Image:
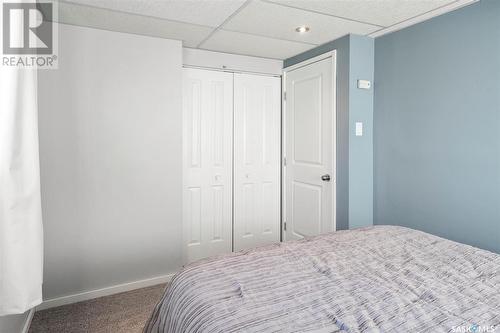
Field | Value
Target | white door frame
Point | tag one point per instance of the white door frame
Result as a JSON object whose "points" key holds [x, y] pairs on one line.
{"points": [[333, 56]]}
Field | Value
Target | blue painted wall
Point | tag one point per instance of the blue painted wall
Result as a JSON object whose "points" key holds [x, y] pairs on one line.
{"points": [[437, 126], [354, 173], [361, 66]]}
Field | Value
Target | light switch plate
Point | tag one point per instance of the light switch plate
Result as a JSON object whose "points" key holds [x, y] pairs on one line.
{"points": [[364, 84], [359, 129]]}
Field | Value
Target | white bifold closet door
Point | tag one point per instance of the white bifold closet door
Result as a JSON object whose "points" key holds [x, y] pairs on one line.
{"points": [[208, 159], [257, 133]]}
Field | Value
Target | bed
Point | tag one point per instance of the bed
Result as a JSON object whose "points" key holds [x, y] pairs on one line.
{"points": [[377, 279]]}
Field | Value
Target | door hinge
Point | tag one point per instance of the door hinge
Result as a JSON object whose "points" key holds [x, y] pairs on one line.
{"points": [[284, 226], [284, 161], [284, 95]]}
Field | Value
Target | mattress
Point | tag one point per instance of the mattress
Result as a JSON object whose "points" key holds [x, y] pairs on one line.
{"points": [[377, 279]]}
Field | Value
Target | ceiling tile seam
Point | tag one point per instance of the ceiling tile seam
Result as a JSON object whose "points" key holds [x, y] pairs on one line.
{"points": [[275, 38], [414, 17], [246, 3], [117, 30], [127, 31], [322, 13], [134, 14]]}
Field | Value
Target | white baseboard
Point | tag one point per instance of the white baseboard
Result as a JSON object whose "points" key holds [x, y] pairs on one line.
{"points": [[27, 323], [51, 303]]}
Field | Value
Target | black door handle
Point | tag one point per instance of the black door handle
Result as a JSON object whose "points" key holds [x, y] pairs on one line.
{"points": [[325, 178]]}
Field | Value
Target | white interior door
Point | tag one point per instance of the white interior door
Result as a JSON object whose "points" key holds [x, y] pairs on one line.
{"points": [[207, 150], [310, 149], [257, 118]]}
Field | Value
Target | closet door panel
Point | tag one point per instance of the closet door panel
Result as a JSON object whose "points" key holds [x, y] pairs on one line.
{"points": [[257, 132], [208, 145]]}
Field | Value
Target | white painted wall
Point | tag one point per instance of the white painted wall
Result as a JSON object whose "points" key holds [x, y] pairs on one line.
{"points": [[111, 160]]}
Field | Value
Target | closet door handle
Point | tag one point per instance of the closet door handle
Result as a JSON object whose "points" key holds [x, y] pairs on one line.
{"points": [[325, 178]]}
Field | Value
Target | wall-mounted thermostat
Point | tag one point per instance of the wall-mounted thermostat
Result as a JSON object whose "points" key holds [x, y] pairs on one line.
{"points": [[364, 84]]}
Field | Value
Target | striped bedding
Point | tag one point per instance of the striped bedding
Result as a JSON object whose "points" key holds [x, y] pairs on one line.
{"points": [[377, 279]]}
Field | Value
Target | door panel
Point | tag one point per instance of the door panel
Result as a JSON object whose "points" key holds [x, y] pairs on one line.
{"points": [[194, 215], [218, 213], [309, 150], [306, 209], [248, 210], [257, 114], [307, 120], [207, 145]]}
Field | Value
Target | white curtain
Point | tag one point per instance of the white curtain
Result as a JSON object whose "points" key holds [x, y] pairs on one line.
{"points": [[21, 239]]}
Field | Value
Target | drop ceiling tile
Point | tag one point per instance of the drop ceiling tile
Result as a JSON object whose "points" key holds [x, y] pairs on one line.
{"points": [[271, 20], [379, 12], [93, 17], [204, 12], [240, 43]]}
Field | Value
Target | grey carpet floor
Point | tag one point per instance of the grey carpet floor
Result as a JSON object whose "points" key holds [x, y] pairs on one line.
{"points": [[125, 313]]}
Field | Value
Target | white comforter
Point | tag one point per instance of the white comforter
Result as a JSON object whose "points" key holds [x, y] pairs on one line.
{"points": [[378, 279]]}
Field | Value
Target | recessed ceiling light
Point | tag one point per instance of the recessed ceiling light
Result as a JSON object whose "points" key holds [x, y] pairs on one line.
{"points": [[302, 29]]}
